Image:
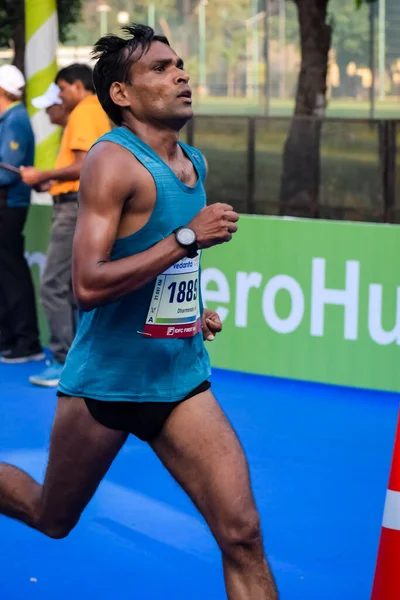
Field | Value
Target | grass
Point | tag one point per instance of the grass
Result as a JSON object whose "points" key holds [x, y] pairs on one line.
{"points": [[342, 108], [350, 172]]}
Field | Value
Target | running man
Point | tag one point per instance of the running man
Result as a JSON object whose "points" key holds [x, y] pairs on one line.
{"points": [[138, 363]]}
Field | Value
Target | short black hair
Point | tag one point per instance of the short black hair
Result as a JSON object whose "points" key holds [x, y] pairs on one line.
{"points": [[77, 72], [114, 59]]}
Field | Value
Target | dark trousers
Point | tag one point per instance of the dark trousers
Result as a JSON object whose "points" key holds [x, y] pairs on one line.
{"points": [[18, 320]]}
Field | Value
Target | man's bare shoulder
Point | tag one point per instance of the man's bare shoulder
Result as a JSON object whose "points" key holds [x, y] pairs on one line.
{"points": [[110, 162], [110, 171], [110, 153]]}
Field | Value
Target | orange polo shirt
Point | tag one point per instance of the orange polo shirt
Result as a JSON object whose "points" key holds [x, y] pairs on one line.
{"points": [[86, 123]]}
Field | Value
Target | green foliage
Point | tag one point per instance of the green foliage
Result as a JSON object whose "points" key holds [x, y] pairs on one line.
{"points": [[69, 12], [87, 29], [350, 29], [226, 37], [11, 14], [359, 3]]}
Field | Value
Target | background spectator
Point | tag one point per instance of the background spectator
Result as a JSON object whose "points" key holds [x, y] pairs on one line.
{"points": [[19, 341], [86, 123]]}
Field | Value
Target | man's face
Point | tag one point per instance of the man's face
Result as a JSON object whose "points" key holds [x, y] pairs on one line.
{"points": [[70, 93], [160, 87], [58, 114]]}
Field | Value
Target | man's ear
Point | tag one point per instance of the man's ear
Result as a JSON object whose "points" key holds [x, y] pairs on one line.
{"points": [[118, 94], [79, 85]]}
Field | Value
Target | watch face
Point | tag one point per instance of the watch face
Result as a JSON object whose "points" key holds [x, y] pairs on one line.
{"points": [[186, 236]]}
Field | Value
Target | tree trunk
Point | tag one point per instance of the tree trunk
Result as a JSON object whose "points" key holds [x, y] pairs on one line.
{"points": [[301, 158], [186, 27], [19, 36]]}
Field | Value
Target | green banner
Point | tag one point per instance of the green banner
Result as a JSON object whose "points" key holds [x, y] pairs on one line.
{"points": [[37, 233], [311, 300]]}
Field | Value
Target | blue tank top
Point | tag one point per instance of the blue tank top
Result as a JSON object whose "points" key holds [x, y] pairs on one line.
{"points": [[109, 359]]}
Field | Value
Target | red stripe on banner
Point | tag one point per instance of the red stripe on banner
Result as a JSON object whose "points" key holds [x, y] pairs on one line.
{"points": [[387, 575], [173, 331]]}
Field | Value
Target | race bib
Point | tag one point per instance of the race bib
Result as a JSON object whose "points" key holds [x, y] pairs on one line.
{"points": [[175, 308]]}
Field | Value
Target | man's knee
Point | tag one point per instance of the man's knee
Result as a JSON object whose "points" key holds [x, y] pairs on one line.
{"points": [[54, 293], [241, 532], [46, 290], [56, 528]]}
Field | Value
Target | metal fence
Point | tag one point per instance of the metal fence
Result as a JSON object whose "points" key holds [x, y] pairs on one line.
{"points": [[359, 166]]}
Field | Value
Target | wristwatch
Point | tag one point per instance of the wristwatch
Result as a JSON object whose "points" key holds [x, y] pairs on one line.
{"points": [[187, 238]]}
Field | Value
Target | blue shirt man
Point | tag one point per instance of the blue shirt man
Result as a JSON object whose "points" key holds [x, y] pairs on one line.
{"points": [[19, 336], [17, 148]]}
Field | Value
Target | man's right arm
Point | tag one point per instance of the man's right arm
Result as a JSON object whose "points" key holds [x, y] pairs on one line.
{"points": [[104, 188], [12, 151]]}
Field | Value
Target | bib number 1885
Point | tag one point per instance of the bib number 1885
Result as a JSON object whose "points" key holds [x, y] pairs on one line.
{"points": [[186, 291]]}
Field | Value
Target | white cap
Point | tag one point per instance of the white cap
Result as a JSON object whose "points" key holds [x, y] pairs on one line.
{"points": [[11, 80], [49, 98]]}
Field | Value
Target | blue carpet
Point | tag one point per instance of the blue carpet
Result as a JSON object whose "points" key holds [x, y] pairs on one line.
{"points": [[319, 458]]}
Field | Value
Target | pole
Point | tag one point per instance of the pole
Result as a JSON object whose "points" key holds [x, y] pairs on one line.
{"points": [[382, 47], [103, 9], [202, 48], [267, 80], [103, 23], [249, 70], [372, 58], [151, 15], [282, 48], [254, 50], [41, 36]]}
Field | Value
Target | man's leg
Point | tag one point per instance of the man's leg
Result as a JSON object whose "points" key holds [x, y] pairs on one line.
{"points": [[56, 283], [81, 452], [7, 335], [202, 452], [17, 282]]}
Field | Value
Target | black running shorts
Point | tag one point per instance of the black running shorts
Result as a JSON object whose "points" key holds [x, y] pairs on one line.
{"points": [[145, 420]]}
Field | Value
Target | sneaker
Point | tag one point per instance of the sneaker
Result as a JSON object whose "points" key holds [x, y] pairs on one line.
{"points": [[50, 376], [5, 348], [16, 356]]}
